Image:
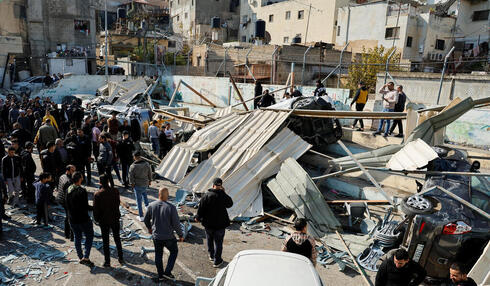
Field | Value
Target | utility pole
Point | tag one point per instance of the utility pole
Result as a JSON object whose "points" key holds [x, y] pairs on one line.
{"points": [[308, 23], [105, 48]]}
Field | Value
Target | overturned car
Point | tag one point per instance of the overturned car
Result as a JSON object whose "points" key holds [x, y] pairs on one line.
{"points": [[441, 229]]}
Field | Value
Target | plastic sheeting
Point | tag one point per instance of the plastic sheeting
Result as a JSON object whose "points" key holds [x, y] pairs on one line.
{"points": [[244, 184], [414, 155], [238, 148], [175, 164], [295, 190]]}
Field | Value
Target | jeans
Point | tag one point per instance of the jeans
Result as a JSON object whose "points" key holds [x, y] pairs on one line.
{"points": [[140, 193], [13, 188], [215, 243], [155, 145], [359, 107], [388, 122], [106, 229], [88, 230], [125, 172], [171, 245]]}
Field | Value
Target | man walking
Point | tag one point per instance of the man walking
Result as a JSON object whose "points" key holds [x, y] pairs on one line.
{"points": [[399, 107], [11, 169], [125, 149], [213, 215], [154, 133], [64, 183], [140, 180], [28, 171], [162, 220], [104, 161], [83, 153], [400, 270], [78, 208], [360, 100], [47, 133], [390, 97]]}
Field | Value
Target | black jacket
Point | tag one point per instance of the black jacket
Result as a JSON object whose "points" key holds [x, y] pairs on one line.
{"points": [[125, 150], [22, 136], [77, 205], [410, 275], [106, 206], [468, 282], [267, 100], [7, 166], [82, 148], [400, 104], [51, 162], [212, 209], [28, 164]]}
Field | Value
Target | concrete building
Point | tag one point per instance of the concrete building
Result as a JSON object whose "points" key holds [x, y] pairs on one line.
{"points": [[192, 18], [13, 38], [61, 29], [288, 19], [472, 26]]}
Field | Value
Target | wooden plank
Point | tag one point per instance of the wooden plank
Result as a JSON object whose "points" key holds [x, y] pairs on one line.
{"points": [[363, 274], [237, 91], [198, 94]]}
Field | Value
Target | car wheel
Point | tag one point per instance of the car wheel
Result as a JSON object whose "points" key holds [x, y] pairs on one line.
{"points": [[416, 204]]}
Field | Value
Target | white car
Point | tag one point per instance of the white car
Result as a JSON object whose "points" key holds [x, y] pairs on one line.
{"points": [[266, 268], [29, 84]]}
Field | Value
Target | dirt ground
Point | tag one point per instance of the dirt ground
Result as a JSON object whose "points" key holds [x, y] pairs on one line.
{"points": [[30, 245]]}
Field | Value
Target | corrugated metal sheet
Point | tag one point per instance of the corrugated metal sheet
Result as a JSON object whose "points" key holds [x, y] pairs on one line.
{"points": [[240, 146], [176, 162], [120, 88], [243, 185], [414, 155], [295, 190]]}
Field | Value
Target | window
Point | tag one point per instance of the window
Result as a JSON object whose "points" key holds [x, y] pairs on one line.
{"points": [[178, 18], [301, 14], [82, 26], [285, 40], [271, 18], [338, 30], [19, 11], [185, 15], [171, 44], [288, 15], [409, 41], [244, 19], [440, 44], [244, 39], [480, 193], [392, 33], [480, 15]]}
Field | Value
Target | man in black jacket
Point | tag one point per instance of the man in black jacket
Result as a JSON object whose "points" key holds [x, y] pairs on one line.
{"points": [[50, 160], [81, 154], [399, 270], [399, 107], [11, 169], [125, 149], [213, 215], [80, 222], [458, 273], [267, 100], [28, 171]]}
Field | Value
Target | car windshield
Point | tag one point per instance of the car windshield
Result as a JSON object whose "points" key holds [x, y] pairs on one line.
{"points": [[480, 192]]}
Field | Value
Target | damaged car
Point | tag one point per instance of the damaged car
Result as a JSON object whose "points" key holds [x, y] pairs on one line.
{"points": [[442, 230]]}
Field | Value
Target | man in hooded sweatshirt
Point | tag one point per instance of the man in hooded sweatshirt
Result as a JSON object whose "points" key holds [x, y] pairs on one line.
{"points": [[213, 215], [360, 100]]}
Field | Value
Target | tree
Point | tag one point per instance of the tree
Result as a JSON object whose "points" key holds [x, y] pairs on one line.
{"points": [[369, 64]]}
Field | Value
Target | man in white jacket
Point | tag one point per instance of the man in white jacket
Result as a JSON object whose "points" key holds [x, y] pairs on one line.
{"points": [[390, 97]]}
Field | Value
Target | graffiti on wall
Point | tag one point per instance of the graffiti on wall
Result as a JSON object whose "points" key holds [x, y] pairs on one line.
{"points": [[471, 129]]}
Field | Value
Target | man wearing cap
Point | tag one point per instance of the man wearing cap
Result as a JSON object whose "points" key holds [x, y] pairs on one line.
{"points": [[28, 171], [213, 215], [125, 149], [140, 180]]}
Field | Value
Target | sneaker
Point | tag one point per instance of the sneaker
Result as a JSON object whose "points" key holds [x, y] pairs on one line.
{"points": [[121, 261], [141, 218], [158, 279], [376, 133], [218, 265], [86, 261], [385, 135], [210, 258], [169, 276], [399, 135], [360, 129]]}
